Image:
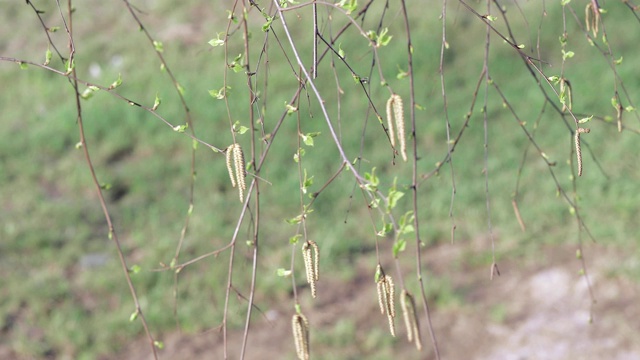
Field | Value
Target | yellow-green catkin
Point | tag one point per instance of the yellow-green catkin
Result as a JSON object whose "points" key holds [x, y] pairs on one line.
{"points": [[395, 118], [410, 315], [578, 147], [300, 327], [386, 295], [311, 257], [236, 168]]}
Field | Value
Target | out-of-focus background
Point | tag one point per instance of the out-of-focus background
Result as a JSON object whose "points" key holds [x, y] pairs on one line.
{"points": [[62, 290]]}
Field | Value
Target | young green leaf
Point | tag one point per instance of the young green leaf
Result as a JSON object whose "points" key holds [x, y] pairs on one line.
{"points": [[180, 128], [585, 120], [266, 26], [283, 272], [88, 92], [378, 275], [307, 182], [156, 103], [47, 57], [401, 73], [567, 55], [70, 65], [372, 179], [383, 39], [399, 246], [220, 94], [349, 5], [386, 229], [217, 41], [158, 46], [236, 64], [295, 220], [294, 239], [116, 83], [290, 108], [299, 154], [393, 198], [133, 316]]}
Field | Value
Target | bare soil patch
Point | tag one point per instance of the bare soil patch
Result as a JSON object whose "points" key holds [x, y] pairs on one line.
{"points": [[539, 308]]}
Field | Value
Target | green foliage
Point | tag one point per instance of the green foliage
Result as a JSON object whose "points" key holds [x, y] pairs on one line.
{"points": [[349, 5]]}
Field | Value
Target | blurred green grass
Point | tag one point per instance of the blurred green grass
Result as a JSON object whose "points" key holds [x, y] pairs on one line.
{"points": [[52, 224]]}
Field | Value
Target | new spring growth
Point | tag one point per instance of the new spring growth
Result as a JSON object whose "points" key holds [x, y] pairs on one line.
{"points": [[300, 327], [578, 149], [236, 168], [565, 95], [395, 114], [311, 257], [592, 17], [386, 294], [410, 315]]}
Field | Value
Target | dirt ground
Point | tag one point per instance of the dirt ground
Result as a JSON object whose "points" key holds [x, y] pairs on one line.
{"points": [[539, 308]]}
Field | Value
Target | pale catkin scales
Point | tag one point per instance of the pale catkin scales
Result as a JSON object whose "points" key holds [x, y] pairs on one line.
{"points": [[410, 315], [391, 308], [241, 171], [578, 153], [300, 327], [311, 257], [236, 168], [391, 292], [381, 295], [386, 294], [395, 118], [398, 113], [406, 314], [392, 136], [380, 288], [591, 18], [579, 148], [229, 158]]}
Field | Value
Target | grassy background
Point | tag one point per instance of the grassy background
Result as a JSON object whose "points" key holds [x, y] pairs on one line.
{"points": [[62, 291]]}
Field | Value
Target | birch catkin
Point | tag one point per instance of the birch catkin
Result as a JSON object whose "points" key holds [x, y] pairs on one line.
{"points": [[392, 136], [300, 327], [565, 91], [592, 22], [386, 294], [578, 147], [381, 296], [391, 308], [311, 257], [395, 110], [380, 288], [241, 171], [237, 172], [391, 292], [398, 113], [410, 315], [229, 158]]}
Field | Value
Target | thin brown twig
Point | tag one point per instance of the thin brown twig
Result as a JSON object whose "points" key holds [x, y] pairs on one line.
{"points": [[85, 149], [414, 183]]}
